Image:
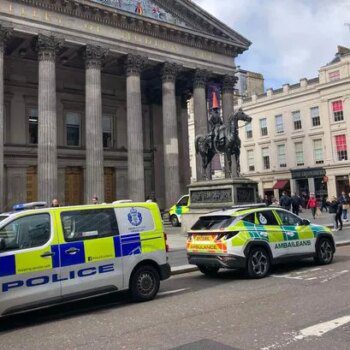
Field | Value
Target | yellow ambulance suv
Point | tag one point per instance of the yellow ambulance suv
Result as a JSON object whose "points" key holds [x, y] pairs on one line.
{"points": [[54, 255]]}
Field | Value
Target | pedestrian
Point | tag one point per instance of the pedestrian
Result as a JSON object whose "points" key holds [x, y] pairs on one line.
{"points": [[94, 199], [312, 204], [344, 201], [267, 200], [336, 213], [55, 203], [296, 204], [285, 201], [324, 204]]}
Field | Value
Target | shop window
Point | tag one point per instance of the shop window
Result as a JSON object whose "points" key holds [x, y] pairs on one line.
{"points": [[250, 157], [32, 117], [279, 124], [315, 116], [341, 146], [299, 153], [263, 127], [296, 120], [337, 108], [282, 156], [73, 129], [335, 75], [318, 151], [107, 127], [266, 158], [249, 131]]}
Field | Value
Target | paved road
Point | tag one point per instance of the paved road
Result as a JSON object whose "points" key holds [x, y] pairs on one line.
{"points": [[298, 307]]}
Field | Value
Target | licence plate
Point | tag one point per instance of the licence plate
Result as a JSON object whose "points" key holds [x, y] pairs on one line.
{"points": [[202, 238]]}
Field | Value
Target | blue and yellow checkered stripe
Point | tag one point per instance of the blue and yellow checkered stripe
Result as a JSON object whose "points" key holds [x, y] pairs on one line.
{"points": [[87, 251]]}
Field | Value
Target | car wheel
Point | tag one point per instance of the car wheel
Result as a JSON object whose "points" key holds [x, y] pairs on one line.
{"points": [[211, 271], [324, 252], [258, 264], [144, 283], [174, 221]]}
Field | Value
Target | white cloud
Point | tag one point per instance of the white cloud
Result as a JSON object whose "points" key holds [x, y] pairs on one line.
{"points": [[291, 39]]}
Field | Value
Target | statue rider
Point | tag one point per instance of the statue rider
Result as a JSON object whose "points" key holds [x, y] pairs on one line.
{"points": [[215, 122]]}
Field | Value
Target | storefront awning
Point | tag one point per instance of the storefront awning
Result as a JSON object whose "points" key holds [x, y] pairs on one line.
{"points": [[280, 184]]}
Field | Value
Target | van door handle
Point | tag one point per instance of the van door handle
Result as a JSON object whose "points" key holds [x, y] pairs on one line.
{"points": [[47, 254], [72, 251]]}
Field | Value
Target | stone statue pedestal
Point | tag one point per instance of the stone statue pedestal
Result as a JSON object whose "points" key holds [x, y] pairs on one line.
{"points": [[207, 196]]}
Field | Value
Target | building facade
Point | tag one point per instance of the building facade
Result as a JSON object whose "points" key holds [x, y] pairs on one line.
{"points": [[93, 96], [299, 137]]}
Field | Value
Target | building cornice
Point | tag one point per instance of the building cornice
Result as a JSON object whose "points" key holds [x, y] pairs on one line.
{"points": [[124, 20]]}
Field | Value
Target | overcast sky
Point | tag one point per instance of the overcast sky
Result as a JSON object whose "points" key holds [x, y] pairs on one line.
{"points": [[291, 39]]}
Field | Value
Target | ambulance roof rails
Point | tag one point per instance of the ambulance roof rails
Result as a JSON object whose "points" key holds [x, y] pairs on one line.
{"points": [[122, 201]]}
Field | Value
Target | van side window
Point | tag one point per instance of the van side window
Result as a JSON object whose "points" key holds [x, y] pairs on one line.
{"points": [[25, 232], [183, 201], [266, 217], [250, 218], [89, 224]]}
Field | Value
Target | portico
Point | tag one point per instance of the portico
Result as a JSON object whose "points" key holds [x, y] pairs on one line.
{"points": [[91, 102]]}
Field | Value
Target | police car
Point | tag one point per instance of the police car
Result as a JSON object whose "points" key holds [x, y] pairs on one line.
{"points": [[54, 255], [176, 211], [253, 238]]}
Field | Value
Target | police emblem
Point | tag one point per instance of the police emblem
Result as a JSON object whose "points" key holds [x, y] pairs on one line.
{"points": [[135, 217]]}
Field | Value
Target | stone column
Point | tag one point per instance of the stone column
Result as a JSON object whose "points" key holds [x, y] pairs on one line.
{"points": [[4, 35], [200, 114], [228, 84], [136, 173], [170, 137], [94, 173], [47, 118]]}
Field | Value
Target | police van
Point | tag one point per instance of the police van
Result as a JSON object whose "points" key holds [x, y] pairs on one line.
{"points": [[54, 255]]}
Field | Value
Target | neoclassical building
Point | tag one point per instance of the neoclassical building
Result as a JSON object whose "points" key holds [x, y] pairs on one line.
{"points": [[93, 96]]}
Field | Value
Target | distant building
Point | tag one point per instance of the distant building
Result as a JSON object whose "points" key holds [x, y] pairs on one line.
{"points": [[299, 137]]}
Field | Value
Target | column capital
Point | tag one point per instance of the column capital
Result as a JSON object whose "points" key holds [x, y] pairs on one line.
{"points": [[169, 71], [200, 78], [228, 83], [134, 64], [94, 55], [47, 47]]}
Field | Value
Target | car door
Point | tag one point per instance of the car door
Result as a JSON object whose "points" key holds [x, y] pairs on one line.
{"points": [[90, 252], [269, 229], [28, 263], [300, 238]]}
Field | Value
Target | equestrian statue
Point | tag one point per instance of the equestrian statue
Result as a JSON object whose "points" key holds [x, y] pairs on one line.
{"points": [[222, 139]]}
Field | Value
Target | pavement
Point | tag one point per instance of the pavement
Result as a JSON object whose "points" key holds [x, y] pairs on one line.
{"points": [[177, 240], [299, 306]]}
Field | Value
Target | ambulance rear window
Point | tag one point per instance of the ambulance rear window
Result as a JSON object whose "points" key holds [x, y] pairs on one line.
{"points": [[215, 222]]}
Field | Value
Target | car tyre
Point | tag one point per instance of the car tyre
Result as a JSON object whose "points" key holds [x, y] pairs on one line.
{"points": [[258, 263], [211, 271], [174, 221], [324, 252], [144, 283]]}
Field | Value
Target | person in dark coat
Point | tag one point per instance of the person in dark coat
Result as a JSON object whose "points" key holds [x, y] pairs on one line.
{"points": [[285, 201], [296, 204], [335, 208]]}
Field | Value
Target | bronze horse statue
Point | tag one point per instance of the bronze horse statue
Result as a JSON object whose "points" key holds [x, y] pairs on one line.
{"points": [[225, 141]]}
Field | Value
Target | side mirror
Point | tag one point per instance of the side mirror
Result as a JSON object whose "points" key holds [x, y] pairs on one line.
{"points": [[305, 222]]}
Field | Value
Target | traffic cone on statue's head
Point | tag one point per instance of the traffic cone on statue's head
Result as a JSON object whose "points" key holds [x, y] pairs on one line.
{"points": [[215, 101]]}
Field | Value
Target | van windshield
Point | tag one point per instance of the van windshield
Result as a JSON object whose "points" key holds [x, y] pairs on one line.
{"points": [[213, 222]]}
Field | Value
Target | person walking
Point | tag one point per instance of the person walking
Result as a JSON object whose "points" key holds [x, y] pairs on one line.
{"points": [[312, 204], [344, 201], [296, 204], [285, 201], [335, 211], [324, 204], [267, 200]]}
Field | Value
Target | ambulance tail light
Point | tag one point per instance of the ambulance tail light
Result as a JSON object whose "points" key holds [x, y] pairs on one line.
{"points": [[226, 235], [166, 242]]}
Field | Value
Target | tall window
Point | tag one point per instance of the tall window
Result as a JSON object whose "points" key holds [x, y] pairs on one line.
{"points": [[318, 151], [337, 107], [335, 75], [279, 124], [296, 120], [315, 116], [263, 127], [107, 125], [250, 157], [73, 129], [266, 158], [342, 149], [249, 130], [282, 156], [32, 115], [299, 153]]}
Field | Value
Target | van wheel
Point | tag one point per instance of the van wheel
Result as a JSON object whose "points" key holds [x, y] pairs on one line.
{"points": [[174, 221], [208, 270], [258, 264], [144, 283], [324, 252]]}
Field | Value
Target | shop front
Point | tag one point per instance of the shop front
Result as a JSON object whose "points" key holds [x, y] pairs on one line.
{"points": [[342, 184]]}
